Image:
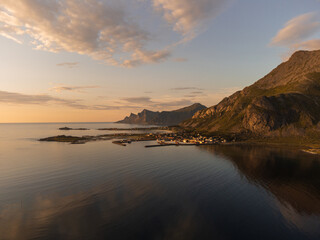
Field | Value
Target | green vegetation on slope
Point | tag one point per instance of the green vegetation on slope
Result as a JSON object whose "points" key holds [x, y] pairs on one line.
{"points": [[284, 104]]}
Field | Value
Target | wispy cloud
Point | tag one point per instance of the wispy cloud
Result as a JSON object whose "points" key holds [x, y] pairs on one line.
{"points": [[101, 30], [68, 64], [298, 32], [147, 102], [19, 98], [189, 16], [313, 44], [173, 103], [143, 100], [180, 59], [195, 95], [72, 88], [185, 88], [107, 31], [27, 99], [124, 103]]}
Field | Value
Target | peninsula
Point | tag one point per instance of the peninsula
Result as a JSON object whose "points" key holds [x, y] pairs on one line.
{"points": [[172, 136]]}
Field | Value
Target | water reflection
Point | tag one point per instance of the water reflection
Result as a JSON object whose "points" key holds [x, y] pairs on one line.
{"points": [[291, 176], [133, 210], [225, 192]]}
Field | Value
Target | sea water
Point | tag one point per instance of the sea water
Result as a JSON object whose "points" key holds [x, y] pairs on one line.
{"points": [[99, 190]]}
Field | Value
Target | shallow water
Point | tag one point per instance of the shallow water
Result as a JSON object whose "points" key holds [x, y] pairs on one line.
{"points": [[104, 191]]}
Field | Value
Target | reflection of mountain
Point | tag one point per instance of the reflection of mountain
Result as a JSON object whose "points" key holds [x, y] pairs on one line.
{"points": [[291, 176], [199, 198]]}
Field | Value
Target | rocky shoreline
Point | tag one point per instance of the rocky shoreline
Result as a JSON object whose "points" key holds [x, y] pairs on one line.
{"points": [[172, 136], [179, 137], [118, 129], [69, 129], [85, 139]]}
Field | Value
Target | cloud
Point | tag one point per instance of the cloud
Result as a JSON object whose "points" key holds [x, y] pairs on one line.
{"points": [[195, 95], [188, 16], [124, 103], [18, 98], [107, 31], [68, 64], [190, 96], [211, 97], [297, 33], [25, 99], [185, 88], [72, 88], [297, 29], [180, 59], [101, 30], [143, 100], [173, 103], [140, 57], [313, 44]]}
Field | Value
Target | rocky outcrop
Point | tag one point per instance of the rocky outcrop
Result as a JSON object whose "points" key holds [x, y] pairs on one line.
{"points": [[165, 118], [143, 117], [284, 102], [267, 114]]}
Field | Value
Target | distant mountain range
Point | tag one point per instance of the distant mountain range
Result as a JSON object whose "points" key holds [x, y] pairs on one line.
{"points": [[165, 118], [284, 103]]}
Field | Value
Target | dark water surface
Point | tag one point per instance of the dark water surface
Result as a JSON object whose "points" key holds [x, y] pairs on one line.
{"points": [[104, 191]]}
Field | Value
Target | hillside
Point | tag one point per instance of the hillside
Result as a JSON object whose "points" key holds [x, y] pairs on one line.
{"points": [[165, 118], [285, 103]]}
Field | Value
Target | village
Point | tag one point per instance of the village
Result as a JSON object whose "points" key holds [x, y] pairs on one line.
{"points": [[159, 138], [174, 139]]}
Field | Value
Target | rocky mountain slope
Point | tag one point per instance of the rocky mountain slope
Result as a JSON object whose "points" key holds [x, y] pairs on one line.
{"points": [[286, 102], [165, 118]]}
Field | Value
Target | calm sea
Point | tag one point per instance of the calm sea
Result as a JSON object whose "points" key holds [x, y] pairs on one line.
{"points": [[100, 190]]}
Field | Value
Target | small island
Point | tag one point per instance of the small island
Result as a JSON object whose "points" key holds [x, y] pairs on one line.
{"points": [[69, 129], [136, 129]]}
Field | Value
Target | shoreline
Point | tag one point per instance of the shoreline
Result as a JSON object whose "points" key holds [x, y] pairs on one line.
{"points": [[142, 138], [170, 136], [311, 148], [177, 138], [116, 129]]}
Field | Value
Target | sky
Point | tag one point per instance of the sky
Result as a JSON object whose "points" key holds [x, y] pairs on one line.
{"points": [[100, 60]]}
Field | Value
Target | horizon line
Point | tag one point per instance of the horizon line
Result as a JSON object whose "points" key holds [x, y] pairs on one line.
{"points": [[49, 122]]}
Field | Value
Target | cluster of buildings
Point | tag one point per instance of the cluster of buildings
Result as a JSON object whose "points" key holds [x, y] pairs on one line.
{"points": [[185, 138]]}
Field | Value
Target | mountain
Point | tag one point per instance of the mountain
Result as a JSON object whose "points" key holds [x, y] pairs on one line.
{"points": [[166, 118], [285, 103]]}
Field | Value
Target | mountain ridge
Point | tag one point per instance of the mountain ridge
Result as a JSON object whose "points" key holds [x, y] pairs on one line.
{"points": [[285, 102], [168, 118]]}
